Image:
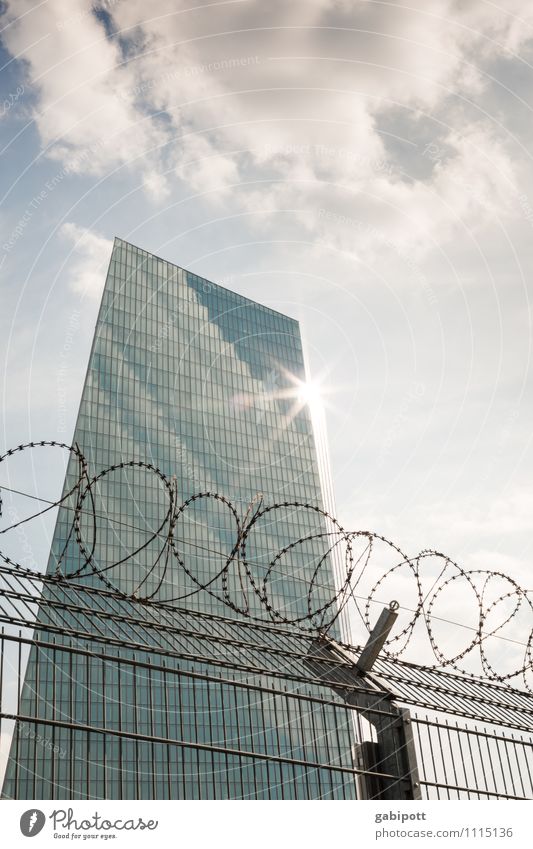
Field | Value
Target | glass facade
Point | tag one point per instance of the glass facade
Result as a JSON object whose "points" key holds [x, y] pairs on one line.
{"points": [[202, 383]]}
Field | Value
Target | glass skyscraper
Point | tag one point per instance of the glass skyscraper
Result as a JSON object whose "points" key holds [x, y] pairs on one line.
{"points": [[203, 384]]}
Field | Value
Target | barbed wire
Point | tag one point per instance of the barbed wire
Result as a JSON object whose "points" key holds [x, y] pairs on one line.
{"points": [[294, 575], [318, 609]]}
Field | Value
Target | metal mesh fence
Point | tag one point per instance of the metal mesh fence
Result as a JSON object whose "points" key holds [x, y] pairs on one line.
{"points": [[107, 698]]}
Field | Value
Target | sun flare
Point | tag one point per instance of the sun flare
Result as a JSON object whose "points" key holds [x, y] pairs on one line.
{"points": [[309, 393]]}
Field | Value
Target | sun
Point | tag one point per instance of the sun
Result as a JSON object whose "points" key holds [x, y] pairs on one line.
{"points": [[309, 393]]}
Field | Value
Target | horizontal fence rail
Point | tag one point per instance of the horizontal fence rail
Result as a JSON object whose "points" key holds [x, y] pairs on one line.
{"points": [[462, 762], [157, 714], [129, 700]]}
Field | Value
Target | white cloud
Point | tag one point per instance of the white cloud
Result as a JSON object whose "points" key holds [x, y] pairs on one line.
{"points": [[91, 253], [235, 91], [305, 113], [347, 115], [474, 184], [75, 70]]}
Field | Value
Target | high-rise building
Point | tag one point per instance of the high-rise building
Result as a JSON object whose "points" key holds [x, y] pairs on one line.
{"points": [[204, 385]]}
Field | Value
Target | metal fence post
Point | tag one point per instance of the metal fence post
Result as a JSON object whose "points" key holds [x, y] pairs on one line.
{"points": [[394, 752]]}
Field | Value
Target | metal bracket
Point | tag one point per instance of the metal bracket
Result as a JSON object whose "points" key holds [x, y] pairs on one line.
{"points": [[377, 638], [394, 752]]}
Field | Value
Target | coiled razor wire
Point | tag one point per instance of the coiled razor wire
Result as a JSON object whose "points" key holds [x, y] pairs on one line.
{"points": [[318, 616]]}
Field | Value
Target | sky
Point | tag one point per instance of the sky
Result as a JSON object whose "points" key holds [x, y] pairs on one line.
{"points": [[362, 166]]}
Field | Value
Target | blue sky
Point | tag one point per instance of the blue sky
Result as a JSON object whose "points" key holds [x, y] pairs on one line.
{"points": [[362, 166]]}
